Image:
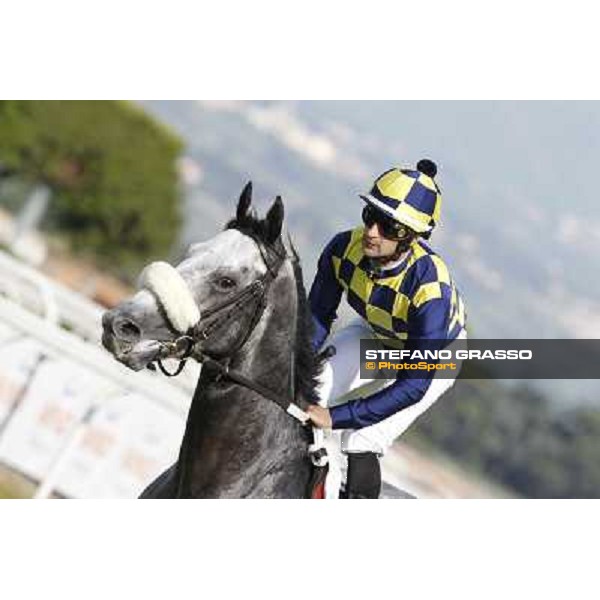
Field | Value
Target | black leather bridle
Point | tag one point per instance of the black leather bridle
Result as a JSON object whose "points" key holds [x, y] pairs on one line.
{"points": [[190, 343]]}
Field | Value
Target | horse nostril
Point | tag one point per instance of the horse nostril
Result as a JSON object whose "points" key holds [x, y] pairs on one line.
{"points": [[126, 330]]}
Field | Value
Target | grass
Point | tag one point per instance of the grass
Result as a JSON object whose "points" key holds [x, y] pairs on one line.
{"points": [[14, 485]]}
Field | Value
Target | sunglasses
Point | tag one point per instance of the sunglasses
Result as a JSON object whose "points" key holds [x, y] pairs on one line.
{"points": [[389, 228]]}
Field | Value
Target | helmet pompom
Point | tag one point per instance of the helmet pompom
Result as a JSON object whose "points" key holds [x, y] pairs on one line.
{"points": [[427, 167]]}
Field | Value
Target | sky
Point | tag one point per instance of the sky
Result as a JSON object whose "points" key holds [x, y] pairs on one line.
{"points": [[520, 222]]}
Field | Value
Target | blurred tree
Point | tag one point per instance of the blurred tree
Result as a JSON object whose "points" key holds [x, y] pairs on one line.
{"points": [[111, 169]]}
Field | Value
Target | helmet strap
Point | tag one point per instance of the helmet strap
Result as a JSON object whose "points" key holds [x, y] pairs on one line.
{"points": [[402, 246]]}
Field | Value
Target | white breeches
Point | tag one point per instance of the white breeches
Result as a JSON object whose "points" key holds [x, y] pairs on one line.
{"points": [[340, 382]]}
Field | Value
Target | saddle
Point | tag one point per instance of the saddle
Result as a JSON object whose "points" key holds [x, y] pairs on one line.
{"points": [[316, 487]]}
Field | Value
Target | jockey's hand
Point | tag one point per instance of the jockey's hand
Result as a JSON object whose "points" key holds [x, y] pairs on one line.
{"points": [[319, 416]]}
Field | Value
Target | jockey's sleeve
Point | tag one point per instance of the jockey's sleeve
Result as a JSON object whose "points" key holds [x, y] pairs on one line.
{"points": [[427, 329], [325, 293]]}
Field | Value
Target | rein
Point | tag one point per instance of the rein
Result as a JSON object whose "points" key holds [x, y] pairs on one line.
{"points": [[224, 371]]}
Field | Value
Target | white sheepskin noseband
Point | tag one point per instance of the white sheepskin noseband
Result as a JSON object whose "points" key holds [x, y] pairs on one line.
{"points": [[173, 293]]}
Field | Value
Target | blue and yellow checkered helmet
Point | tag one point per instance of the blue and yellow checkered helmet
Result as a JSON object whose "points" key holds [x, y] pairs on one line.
{"points": [[411, 197]]}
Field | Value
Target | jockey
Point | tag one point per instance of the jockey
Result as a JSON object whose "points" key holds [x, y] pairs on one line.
{"points": [[402, 290]]}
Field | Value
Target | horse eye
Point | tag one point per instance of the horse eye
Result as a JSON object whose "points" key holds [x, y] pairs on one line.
{"points": [[226, 283]]}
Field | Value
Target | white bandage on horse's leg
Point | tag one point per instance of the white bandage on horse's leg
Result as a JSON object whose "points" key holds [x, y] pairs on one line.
{"points": [[173, 293]]}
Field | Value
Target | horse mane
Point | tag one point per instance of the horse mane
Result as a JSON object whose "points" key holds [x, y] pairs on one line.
{"points": [[308, 364], [250, 225]]}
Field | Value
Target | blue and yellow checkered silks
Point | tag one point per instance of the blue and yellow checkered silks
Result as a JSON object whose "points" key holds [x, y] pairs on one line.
{"points": [[387, 300], [410, 197]]}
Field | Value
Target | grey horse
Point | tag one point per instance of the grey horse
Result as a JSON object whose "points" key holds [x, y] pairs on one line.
{"points": [[237, 303]]}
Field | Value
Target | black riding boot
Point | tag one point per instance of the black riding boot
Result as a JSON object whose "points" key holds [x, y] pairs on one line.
{"points": [[364, 475]]}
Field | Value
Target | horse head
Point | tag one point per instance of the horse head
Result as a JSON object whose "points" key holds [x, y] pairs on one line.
{"points": [[210, 302]]}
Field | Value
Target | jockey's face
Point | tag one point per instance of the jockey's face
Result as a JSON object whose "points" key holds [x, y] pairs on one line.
{"points": [[375, 244], [384, 236]]}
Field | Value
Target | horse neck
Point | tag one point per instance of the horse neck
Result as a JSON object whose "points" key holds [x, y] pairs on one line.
{"points": [[269, 357], [237, 443]]}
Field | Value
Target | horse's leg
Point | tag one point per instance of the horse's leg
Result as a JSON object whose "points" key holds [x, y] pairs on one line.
{"points": [[164, 486]]}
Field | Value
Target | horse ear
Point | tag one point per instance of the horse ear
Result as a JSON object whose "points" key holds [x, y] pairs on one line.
{"points": [[244, 202], [274, 220]]}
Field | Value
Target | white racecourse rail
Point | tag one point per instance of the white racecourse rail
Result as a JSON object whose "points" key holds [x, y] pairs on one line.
{"points": [[71, 417], [59, 305]]}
